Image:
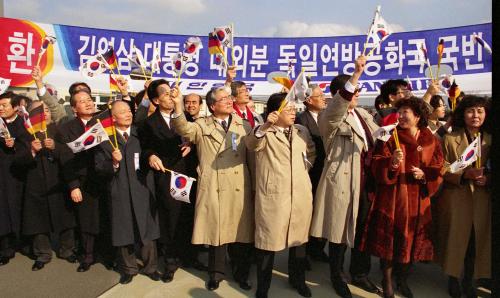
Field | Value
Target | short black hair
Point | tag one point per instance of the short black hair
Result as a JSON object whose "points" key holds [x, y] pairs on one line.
{"points": [[419, 108], [274, 102], [200, 99], [72, 97], [27, 99], [152, 92], [15, 99], [72, 88], [378, 101], [338, 83], [390, 87], [8, 94], [470, 101], [234, 87], [436, 100]]}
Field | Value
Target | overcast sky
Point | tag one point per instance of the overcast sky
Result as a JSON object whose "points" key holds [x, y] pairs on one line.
{"points": [[279, 18]]}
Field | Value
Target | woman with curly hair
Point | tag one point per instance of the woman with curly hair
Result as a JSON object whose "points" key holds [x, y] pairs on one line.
{"points": [[407, 169], [463, 244]]}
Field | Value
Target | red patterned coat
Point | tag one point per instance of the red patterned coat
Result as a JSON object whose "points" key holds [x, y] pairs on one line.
{"points": [[399, 223]]}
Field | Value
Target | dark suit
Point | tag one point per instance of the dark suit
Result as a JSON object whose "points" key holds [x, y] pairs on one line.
{"points": [[47, 207], [12, 177], [132, 206], [315, 245], [79, 172], [157, 138]]}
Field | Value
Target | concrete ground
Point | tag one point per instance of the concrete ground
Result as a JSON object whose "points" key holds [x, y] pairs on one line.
{"points": [[426, 281]]}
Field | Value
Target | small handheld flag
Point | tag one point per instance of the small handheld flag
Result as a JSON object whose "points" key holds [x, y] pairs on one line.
{"points": [[479, 40], [93, 67], [180, 186], [89, 139], [4, 130], [4, 85], [384, 133], [48, 40], [378, 32], [467, 157]]}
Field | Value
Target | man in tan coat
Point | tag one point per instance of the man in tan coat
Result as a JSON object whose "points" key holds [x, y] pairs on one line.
{"points": [[346, 131], [224, 212], [283, 199]]}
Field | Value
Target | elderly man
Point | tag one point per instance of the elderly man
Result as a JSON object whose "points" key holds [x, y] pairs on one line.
{"points": [[14, 145], [341, 198], [192, 105], [315, 103], [130, 185], [224, 212]]}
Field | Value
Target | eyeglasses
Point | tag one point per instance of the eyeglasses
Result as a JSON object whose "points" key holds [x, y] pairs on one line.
{"points": [[224, 98], [320, 96], [290, 110]]}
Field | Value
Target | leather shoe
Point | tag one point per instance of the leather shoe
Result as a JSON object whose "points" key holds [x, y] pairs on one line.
{"points": [[155, 276], [260, 294], [37, 266], [341, 288], [4, 260], [365, 284], [245, 285], [83, 267], [72, 259], [167, 276], [126, 278], [303, 290], [212, 285], [403, 288]]}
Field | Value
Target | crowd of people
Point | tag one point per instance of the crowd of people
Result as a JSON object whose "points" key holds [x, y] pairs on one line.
{"points": [[265, 183]]}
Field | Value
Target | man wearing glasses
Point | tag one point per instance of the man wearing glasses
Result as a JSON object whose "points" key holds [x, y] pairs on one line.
{"points": [[315, 103], [224, 213]]}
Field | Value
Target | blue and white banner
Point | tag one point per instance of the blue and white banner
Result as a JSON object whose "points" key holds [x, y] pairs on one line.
{"points": [[321, 58]]}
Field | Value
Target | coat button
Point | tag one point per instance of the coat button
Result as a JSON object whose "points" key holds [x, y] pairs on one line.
{"points": [[236, 155], [237, 189], [236, 172]]}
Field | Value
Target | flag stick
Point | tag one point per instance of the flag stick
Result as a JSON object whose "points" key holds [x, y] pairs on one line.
{"points": [[478, 160], [114, 128], [396, 138], [178, 79], [111, 143], [430, 69], [232, 45], [439, 66], [372, 50], [39, 59], [45, 128]]}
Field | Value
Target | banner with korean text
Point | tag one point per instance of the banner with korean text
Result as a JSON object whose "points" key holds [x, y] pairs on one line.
{"points": [[320, 57]]}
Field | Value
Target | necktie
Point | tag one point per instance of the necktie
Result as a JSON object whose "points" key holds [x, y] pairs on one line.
{"points": [[224, 125], [288, 133], [244, 115], [125, 136]]}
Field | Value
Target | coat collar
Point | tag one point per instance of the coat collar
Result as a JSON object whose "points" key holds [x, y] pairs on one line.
{"points": [[355, 127], [219, 135]]}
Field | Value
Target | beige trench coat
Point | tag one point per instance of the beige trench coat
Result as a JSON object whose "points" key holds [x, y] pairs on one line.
{"points": [[224, 211], [459, 208], [283, 198], [337, 197]]}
